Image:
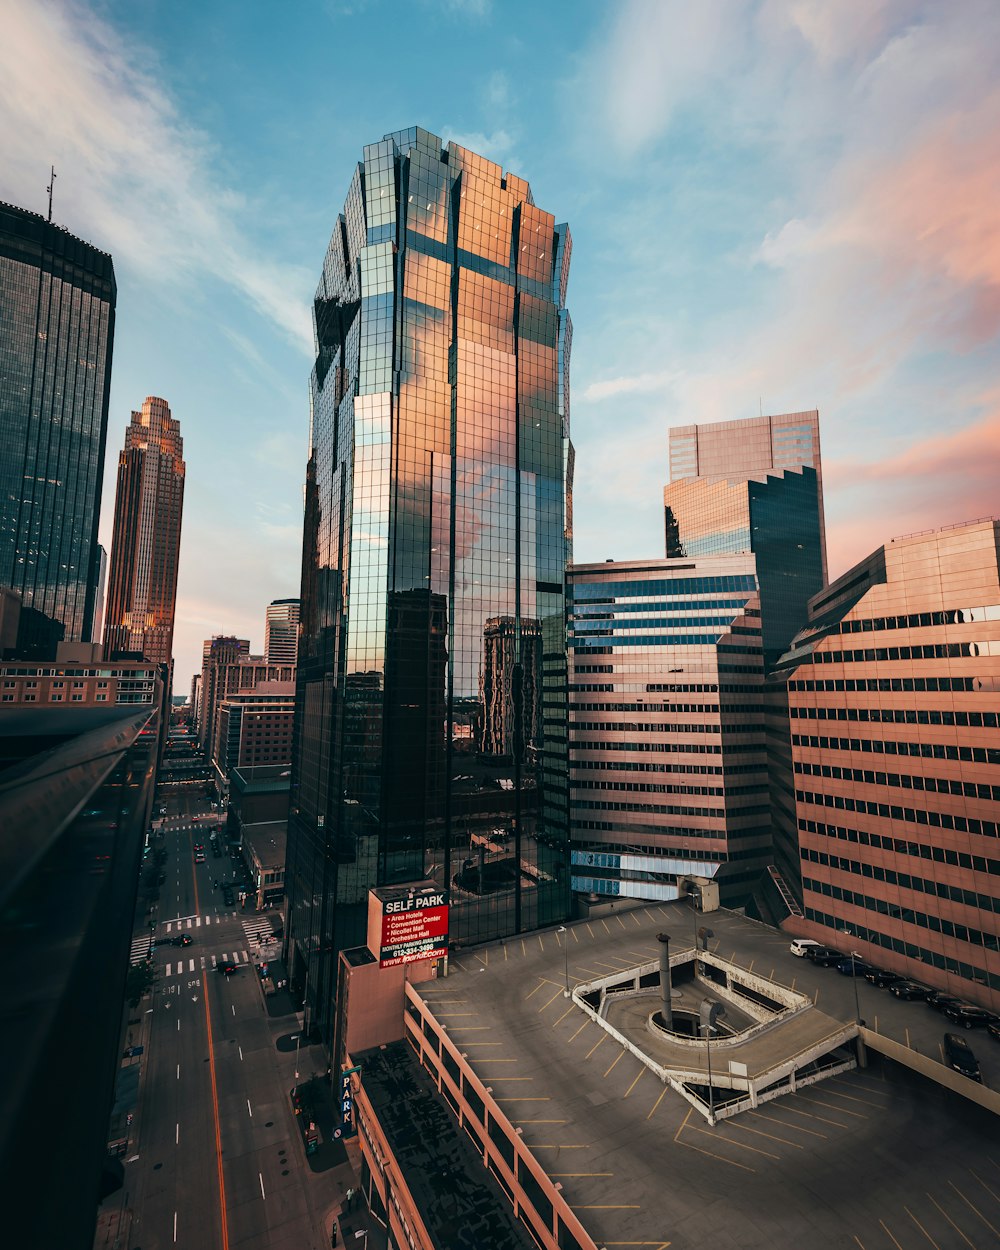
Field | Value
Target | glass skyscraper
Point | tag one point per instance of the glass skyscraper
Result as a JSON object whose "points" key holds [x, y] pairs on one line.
{"points": [[57, 313], [753, 486], [431, 702], [146, 549]]}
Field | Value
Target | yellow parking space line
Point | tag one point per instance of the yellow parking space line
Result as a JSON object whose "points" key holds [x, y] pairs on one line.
{"points": [[683, 1122], [510, 1079], [580, 1029], [635, 917], [972, 1207], [735, 1123], [657, 1103], [850, 1097], [793, 1128], [564, 1015], [608, 1206], [744, 1167], [860, 1242], [605, 923], [524, 949], [484, 1061], [890, 1236], [550, 1001], [611, 967], [600, 1042], [634, 1083], [576, 936], [621, 1053], [484, 1043], [441, 1002], [993, 1195], [540, 942], [562, 1174], [556, 1146], [620, 921], [585, 968], [813, 1116], [453, 1015], [539, 1121], [470, 1028], [520, 1098], [922, 1229], [505, 952], [952, 1223], [541, 982], [741, 1145], [589, 929], [832, 1106]]}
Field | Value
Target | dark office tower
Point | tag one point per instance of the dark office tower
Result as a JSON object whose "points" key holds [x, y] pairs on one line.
{"points": [[57, 317], [217, 652], [145, 550], [281, 631], [887, 808], [436, 502], [753, 486]]}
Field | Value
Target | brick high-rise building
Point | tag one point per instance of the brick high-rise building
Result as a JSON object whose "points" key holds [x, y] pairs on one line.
{"points": [[58, 297], [887, 806], [145, 548]]}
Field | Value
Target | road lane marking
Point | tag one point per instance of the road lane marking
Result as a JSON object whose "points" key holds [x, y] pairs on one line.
{"points": [[240, 1049], [167, 973], [178, 1072], [952, 1223], [889, 1235], [175, 1226], [215, 1116], [261, 1179], [249, 1108]]}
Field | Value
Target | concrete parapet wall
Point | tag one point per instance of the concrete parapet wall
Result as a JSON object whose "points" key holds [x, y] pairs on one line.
{"points": [[975, 1092]]}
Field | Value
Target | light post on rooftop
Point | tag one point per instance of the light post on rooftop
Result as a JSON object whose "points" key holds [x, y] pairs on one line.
{"points": [[562, 929], [862, 1057]]}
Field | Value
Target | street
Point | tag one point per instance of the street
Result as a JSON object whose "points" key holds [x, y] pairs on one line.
{"points": [[215, 1158]]}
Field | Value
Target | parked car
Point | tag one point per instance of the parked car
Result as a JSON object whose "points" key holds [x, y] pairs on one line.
{"points": [[940, 1000], [968, 1015], [824, 956], [853, 967], [994, 1030], [910, 990], [800, 946], [881, 979], [958, 1056]]}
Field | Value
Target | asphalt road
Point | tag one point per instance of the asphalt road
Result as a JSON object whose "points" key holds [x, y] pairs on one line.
{"points": [[216, 1157]]}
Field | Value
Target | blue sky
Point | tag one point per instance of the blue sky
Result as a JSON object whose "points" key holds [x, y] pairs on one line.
{"points": [[783, 205]]}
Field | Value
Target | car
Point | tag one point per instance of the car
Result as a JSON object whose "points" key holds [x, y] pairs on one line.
{"points": [[941, 1000], [824, 956], [994, 1030], [199, 846], [227, 894], [800, 946], [959, 1057], [182, 939], [910, 990], [882, 979], [199, 857], [227, 969], [853, 967], [968, 1015]]}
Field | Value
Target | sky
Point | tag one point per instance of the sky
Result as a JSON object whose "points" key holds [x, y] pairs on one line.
{"points": [[776, 205]]}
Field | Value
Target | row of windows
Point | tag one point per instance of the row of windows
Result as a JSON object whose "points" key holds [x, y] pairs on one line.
{"points": [[900, 846], [921, 620], [658, 727], [903, 781], [969, 898], [894, 683], [919, 651], [634, 766], [641, 787], [897, 716], [935, 959], [964, 933], [708, 708], [660, 809], [876, 746], [608, 826], [680, 748], [916, 815]]}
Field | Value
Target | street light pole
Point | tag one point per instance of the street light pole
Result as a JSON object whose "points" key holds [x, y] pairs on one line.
{"points": [[298, 1039], [562, 929], [860, 1044]]}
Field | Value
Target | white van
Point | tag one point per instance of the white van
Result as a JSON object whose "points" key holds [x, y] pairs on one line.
{"points": [[799, 946]]}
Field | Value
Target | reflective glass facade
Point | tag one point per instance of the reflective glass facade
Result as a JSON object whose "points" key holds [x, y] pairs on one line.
{"points": [[887, 802], [431, 684], [667, 767], [145, 551], [57, 311], [777, 518]]}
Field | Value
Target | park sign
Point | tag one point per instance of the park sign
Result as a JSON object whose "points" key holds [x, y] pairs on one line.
{"points": [[408, 922]]}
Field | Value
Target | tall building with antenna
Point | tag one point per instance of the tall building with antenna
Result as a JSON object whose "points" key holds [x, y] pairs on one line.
{"points": [[58, 298]]}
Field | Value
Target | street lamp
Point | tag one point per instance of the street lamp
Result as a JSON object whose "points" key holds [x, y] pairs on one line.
{"points": [[562, 929], [298, 1038]]}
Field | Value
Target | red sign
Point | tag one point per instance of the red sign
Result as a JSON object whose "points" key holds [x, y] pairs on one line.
{"points": [[415, 927]]}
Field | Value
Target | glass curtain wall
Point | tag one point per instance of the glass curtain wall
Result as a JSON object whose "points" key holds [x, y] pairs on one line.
{"points": [[431, 701]]}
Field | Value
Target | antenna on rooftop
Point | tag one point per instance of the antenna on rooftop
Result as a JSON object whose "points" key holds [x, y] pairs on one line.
{"points": [[52, 183]]}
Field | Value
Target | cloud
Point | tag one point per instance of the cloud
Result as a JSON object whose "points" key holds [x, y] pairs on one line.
{"points": [[135, 173], [497, 146], [640, 384]]}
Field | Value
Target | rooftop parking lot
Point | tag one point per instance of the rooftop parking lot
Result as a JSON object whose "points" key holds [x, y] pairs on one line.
{"points": [[876, 1158]]}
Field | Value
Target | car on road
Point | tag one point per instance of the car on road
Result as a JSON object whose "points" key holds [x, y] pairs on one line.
{"points": [[182, 939], [227, 895], [824, 956], [958, 1056], [910, 990], [881, 979], [199, 857], [968, 1015], [227, 969]]}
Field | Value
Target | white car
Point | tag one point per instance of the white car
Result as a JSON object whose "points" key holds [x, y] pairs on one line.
{"points": [[799, 946]]}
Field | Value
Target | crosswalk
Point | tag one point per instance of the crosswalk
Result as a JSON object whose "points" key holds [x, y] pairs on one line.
{"points": [[187, 965], [140, 948], [257, 928], [195, 922]]}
